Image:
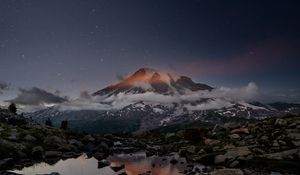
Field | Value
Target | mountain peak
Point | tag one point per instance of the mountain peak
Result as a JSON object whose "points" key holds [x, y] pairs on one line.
{"points": [[149, 79]]}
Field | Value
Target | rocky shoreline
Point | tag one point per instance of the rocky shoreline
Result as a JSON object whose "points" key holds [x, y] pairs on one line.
{"points": [[245, 148]]}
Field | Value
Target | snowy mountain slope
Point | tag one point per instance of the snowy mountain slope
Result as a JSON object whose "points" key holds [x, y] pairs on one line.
{"points": [[151, 80], [151, 98]]}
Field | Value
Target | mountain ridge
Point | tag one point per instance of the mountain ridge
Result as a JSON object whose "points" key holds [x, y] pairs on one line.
{"points": [[151, 98], [148, 79]]}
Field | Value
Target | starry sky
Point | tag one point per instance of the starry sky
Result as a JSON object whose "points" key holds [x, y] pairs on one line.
{"points": [[69, 46]]}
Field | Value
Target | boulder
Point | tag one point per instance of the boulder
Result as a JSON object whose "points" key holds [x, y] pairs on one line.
{"points": [[99, 156], [54, 141], [67, 148], [191, 149], [88, 138], [37, 151], [211, 142], [68, 155], [117, 168], [53, 173], [4, 163], [219, 159], [102, 147], [173, 161], [234, 163], [264, 138], [76, 143], [227, 172], [234, 136], [294, 136], [296, 143], [282, 155], [280, 122], [237, 152], [103, 163], [29, 138], [240, 131], [53, 154], [170, 135], [13, 135]]}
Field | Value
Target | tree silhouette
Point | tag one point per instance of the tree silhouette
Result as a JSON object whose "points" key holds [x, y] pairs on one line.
{"points": [[12, 108], [48, 122], [64, 124]]}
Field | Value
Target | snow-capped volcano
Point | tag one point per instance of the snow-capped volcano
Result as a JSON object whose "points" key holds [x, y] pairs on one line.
{"points": [[151, 80], [151, 98]]}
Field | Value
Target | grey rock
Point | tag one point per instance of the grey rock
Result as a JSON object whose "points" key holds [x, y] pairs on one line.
{"points": [[240, 131], [88, 138], [4, 163], [68, 155], [227, 172], [53, 173], [275, 143], [237, 152], [13, 135], [220, 159], [234, 136], [296, 143], [30, 138], [76, 143], [99, 156], [211, 142], [280, 122], [103, 163], [191, 149], [234, 164], [295, 136], [265, 138], [281, 155], [169, 135], [54, 141], [53, 154]]}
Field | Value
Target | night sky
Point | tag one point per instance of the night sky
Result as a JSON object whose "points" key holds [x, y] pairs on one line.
{"points": [[69, 46]]}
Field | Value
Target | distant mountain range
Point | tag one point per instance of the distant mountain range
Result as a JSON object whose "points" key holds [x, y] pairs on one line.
{"points": [[149, 99]]}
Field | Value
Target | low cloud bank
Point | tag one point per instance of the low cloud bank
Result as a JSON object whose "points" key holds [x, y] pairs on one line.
{"points": [[219, 98], [36, 96], [35, 99], [3, 86]]}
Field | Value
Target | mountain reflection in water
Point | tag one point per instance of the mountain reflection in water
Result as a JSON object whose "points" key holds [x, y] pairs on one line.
{"points": [[134, 164]]}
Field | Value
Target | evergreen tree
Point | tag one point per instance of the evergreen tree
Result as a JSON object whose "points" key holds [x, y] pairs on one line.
{"points": [[12, 108], [48, 122], [64, 124]]}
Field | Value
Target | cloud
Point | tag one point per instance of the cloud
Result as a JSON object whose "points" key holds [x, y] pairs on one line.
{"points": [[36, 99], [210, 104], [3, 86], [120, 77], [85, 95], [263, 56], [246, 93], [218, 98], [281, 95], [37, 96]]}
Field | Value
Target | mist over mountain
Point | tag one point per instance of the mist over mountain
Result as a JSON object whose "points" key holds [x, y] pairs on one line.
{"points": [[151, 98]]}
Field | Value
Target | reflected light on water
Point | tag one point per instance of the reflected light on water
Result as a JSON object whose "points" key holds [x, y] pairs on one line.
{"points": [[134, 165]]}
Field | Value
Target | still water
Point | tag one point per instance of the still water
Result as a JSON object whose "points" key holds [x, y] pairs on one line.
{"points": [[134, 164]]}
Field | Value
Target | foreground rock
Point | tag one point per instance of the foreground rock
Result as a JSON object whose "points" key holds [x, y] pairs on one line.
{"points": [[227, 172], [232, 145]]}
